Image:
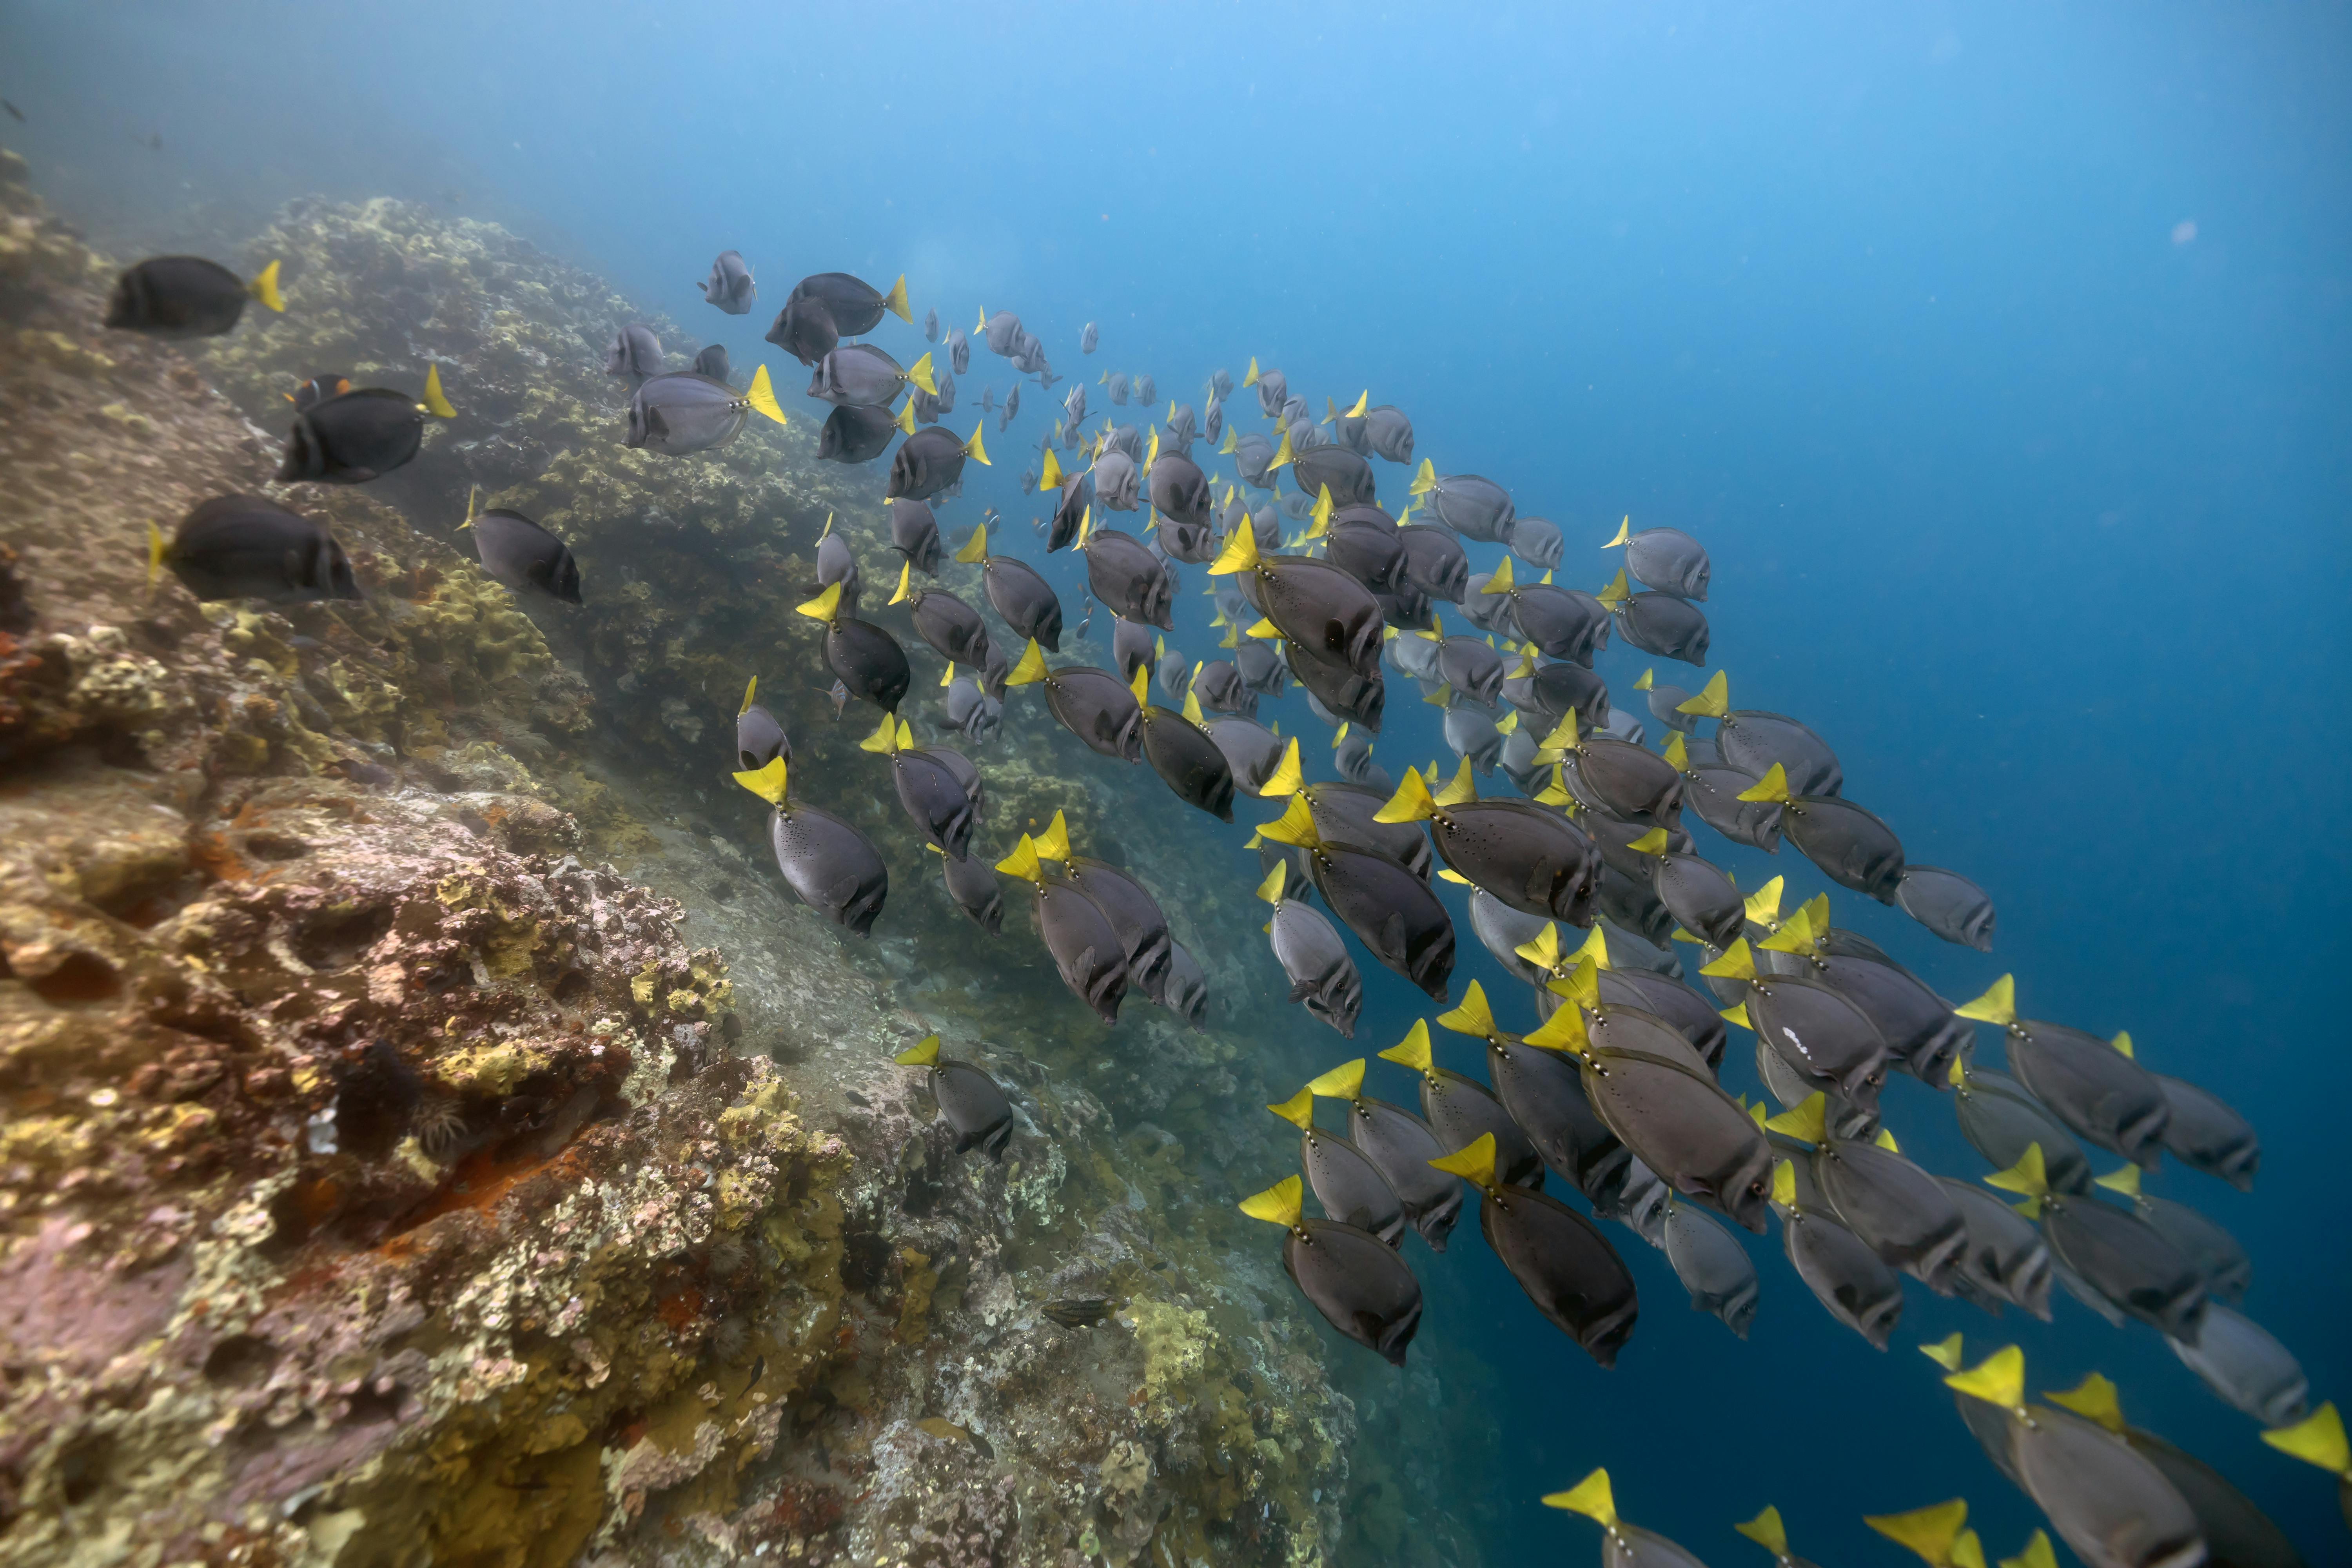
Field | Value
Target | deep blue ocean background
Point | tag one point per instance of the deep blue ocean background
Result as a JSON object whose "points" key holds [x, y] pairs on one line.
{"points": [[1998, 354]]}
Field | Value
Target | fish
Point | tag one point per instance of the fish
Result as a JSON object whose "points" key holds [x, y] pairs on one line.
{"points": [[861, 655], [855, 435], [1624, 1545], [1130, 646], [1696, 893], [1472, 505], [635, 352], [1131, 909], [1947, 904], [1328, 613], [1351, 754], [243, 547], [1898, 1210], [971, 712], [2246, 1367], [915, 534], [1460, 1110], [2218, 1256], [1147, 390], [1717, 794], [943, 401], [363, 435], [1349, 814], [1262, 669], [1089, 338], [518, 552], [2204, 1133], [679, 412], [1126, 576], [1657, 623], [951, 627], [1532, 860], [863, 374], [1077, 1311], [1175, 675], [1536, 540], [1025, 600], [760, 738], [319, 388], [1563, 1263], [855, 306], [1184, 753], [838, 695], [2004, 1258], [1753, 740], [2101, 1496], [1712, 1265], [1391, 910], [1186, 991], [2000, 1119], [1401, 1147], [1388, 433], [712, 362], [1350, 1274], [1180, 490], [2116, 1252], [973, 886], [1092, 704], [1219, 685], [1253, 457], [1074, 404], [1666, 559], [930, 460], [1845, 1276], [1563, 623], [1622, 779], [1273, 388], [1824, 1038], [1315, 960], [1434, 562], [837, 563], [1085, 945], [1011, 407], [1847, 843], [932, 326], [1256, 755], [1114, 384], [731, 285], [181, 297], [970, 1101], [1002, 332], [2093, 1086], [930, 791], [1346, 475], [1118, 478], [833, 868], [1346, 426], [1347, 1186]]}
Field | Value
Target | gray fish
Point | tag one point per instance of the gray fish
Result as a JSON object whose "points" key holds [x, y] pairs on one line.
{"points": [[1133, 914], [1434, 562], [1356, 1280], [2237, 1533], [2241, 1361], [243, 547], [1126, 438], [1187, 760], [1092, 704], [1273, 391], [1565, 1265], [1341, 692], [1315, 960], [1712, 1265], [1920, 1032], [1115, 386], [944, 400], [2090, 1084], [1536, 541], [1147, 391], [1666, 1107], [2118, 1255], [635, 352], [930, 791], [1074, 404], [1754, 741], [1665, 704], [2005, 1258], [971, 712], [759, 740], [1473, 669], [1174, 675], [1213, 422], [1180, 490], [1346, 475], [1262, 669], [833, 868], [1186, 994], [857, 307], [836, 563], [1553, 691], [1713, 791], [805, 330], [516, 551], [861, 655], [951, 626], [1900, 1211], [1530, 859], [932, 326], [1563, 623], [2104, 1499], [1947, 904], [855, 435], [1633, 905], [1252, 752], [1391, 911], [1843, 1273], [1413, 658], [1219, 685], [712, 362], [1253, 454], [353, 437], [679, 412], [970, 1101], [1368, 548], [1350, 813], [1183, 425], [1666, 559], [1347, 428], [1011, 407], [1002, 332], [1623, 780], [973, 886], [1488, 610], [863, 376], [1544, 1093], [1350, 1187], [1661, 624], [960, 352], [1828, 1041], [1353, 759], [1089, 338], [730, 285], [932, 460], [1084, 944], [1473, 506], [1130, 646], [2000, 1120], [1388, 432], [1848, 844], [179, 297], [915, 534], [1472, 736], [1401, 1145], [1117, 479], [2218, 1256], [1125, 576], [2206, 1134], [1502, 930]]}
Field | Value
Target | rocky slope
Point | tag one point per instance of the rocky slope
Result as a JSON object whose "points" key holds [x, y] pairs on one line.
{"points": [[431, 1135]]}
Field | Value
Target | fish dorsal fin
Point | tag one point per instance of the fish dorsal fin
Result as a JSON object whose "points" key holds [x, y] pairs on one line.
{"points": [[2124, 1179], [825, 606], [1766, 1530], [1054, 844], [2122, 1042], [1589, 1497], [1473, 1017], [977, 449], [1499, 579], [1345, 1081], [1363, 402], [905, 577], [1624, 532], [1945, 1353], [1643, 685], [1474, 1163], [1654, 841], [1412, 1051], [1714, 700], [1251, 378], [1999, 1379], [1051, 479], [919, 372], [1806, 1121], [976, 548], [1784, 1182], [1339, 734], [1542, 950], [1278, 1205], [1030, 667], [2316, 1440], [1023, 862], [1287, 775], [2037, 1553], [1297, 826], [1270, 889], [1996, 1006], [2094, 1396], [435, 403], [2029, 1175], [1298, 1110], [1411, 803], [1240, 553], [1929, 1531], [895, 301], [767, 783], [1676, 754], [1425, 479], [921, 1054], [1773, 787], [751, 690], [1460, 790], [1617, 593], [1192, 706], [885, 738], [1737, 963]]}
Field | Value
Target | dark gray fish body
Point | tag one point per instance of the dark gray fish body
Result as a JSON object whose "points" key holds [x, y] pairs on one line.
{"points": [[1843, 1273], [1350, 1187], [1921, 1032], [836, 563], [1556, 690], [1544, 1094], [1752, 740], [1461, 1111], [1847, 843], [855, 306], [1114, 387], [1666, 707], [1475, 507], [1188, 760], [1329, 615], [2237, 1533], [1262, 669], [1567, 1267], [1251, 750], [2004, 1257], [973, 886], [1074, 404], [1489, 613], [2129, 1262], [1096, 707], [960, 352], [944, 401], [1658, 1098], [1118, 478], [1175, 676], [868, 660], [1391, 911], [1713, 791], [1369, 551], [1133, 914], [932, 326], [1347, 430], [2105, 1096], [1712, 1265], [760, 739], [1147, 390], [1186, 994], [353, 437], [2246, 1367], [859, 374], [833, 867], [1184, 424], [524, 556], [712, 362], [1633, 904], [1628, 782], [805, 330], [1435, 563], [1473, 735], [855, 435], [679, 412], [1213, 422], [1011, 407], [951, 627], [971, 1102], [243, 547], [915, 534], [1532, 859], [1947, 904], [1401, 1146], [1127, 577], [635, 352], [1194, 543], [2204, 1133], [1344, 813], [1536, 541], [1474, 671], [1358, 1282], [1221, 689], [1273, 392], [1664, 626], [1089, 338], [2000, 1118], [1130, 646], [1316, 962], [1180, 490], [1388, 432], [971, 712], [1085, 945], [2111, 1506], [176, 297], [730, 285], [1348, 476], [1069, 512], [1564, 622], [1900, 1211], [1668, 560], [1252, 454], [1824, 1037], [926, 462], [1502, 930], [1353, 759], [2218, 1256]]}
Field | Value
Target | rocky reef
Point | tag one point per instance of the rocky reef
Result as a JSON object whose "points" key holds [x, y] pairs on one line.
{"points": [[432, 1134]]}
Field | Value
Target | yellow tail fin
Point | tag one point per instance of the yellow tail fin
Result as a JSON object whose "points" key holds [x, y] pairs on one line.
{"points": [[1240, 553], [1279, 1203], [975, 548], [1295, 826], [1773, 787], [1412, 1051], [1500, 582], [2316, 1440], [1051, 479], [1270, 887], [1141, 685], [1474, 1164], [1713, 701], [1929, 1531], [1023, 862], [1282, 454], [977, 449], [1411, 803], [1473, 1017], [905, 574], [1999, 1379], [435, 403], [1251, 379], [1624, 532], [1996, 1006], [1767, 1532], [1806, 1121], [1425, 479], [1298, 1110], [1230, 444], [1285, 777], [1737, 963], [264, 287], [905, 419], [157, 548], [825, 606], [1032, 668], [1617, 593], [1945, 1353], [767, 783], [919, 372], [1363, 402], [895, 301], [1588, 1497], [1054, 844], [921, 1054], [2094, 1396], [885, 738], [2029, 1175]]}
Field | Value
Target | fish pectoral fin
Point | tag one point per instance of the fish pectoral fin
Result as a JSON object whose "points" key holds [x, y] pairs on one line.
{"points": [[1392, 933], [842, 892], [1302, 990]]}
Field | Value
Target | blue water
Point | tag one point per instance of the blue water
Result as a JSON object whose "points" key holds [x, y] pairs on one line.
{"points": [[1999, 355]]}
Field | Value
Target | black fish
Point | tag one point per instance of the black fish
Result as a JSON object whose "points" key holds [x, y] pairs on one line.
{"points": [[854, 305], [969, 1100], [1123, 574], [833, 868], [973, 886], [1531, 860], [853, 434], [516, 551], [1563, 1263], [861, 655], [319, 388], [1085, 945], [1025, 600], [1391, 910], [932, 460], [242, 547], [185, 297], [1353, 1278], [1092, 704], [1187, 759], [915, 534], [1401, 1145], [1434, 562], [952, 627], [804, 329], [929, 791], [353, 438], [1348, 1185]]}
